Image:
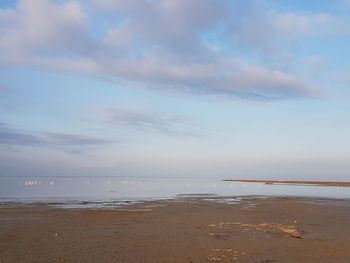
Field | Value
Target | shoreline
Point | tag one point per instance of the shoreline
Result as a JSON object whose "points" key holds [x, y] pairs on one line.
{"points": [[123, 204], [273, 229]]}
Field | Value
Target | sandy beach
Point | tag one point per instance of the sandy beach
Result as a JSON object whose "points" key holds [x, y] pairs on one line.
{"points": [[253, 230]]}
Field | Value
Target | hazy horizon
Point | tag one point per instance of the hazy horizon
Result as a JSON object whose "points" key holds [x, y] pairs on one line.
{"points": [[175, 88]]}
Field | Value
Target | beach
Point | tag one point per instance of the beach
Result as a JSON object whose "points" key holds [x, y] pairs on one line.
{"points": [[274, 229]]}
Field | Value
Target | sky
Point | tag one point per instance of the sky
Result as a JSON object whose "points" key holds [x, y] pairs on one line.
{"points": [[243, 89]]}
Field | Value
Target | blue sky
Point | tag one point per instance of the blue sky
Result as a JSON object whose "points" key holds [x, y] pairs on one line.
{"points": [[215, 88]]}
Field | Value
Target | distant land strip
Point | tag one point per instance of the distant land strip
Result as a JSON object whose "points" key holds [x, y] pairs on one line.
{"points": [[291, 182]]}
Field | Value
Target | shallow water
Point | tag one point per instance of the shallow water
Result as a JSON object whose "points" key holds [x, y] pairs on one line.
{"points": [[79, 192]]}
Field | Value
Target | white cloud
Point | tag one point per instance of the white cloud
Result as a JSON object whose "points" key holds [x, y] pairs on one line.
{"points": [[156, 44], [271, 31], [316, 64], [43, 27], [296, 25], [224, 77]]}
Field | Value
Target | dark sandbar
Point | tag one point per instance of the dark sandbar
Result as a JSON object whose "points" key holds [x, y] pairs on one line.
{"points": [[292, 182]]}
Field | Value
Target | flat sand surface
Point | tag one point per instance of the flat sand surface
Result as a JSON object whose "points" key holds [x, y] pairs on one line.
{"points": [[254, 230]]}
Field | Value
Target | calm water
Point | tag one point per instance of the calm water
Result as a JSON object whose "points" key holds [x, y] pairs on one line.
{"points": [[118, 191]]}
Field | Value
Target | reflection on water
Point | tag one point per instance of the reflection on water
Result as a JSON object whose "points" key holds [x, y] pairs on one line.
{"points": [[29, 183], [118, 191]]}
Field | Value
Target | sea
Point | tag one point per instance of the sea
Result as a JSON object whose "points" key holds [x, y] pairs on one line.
{"points": [[118, 192]]}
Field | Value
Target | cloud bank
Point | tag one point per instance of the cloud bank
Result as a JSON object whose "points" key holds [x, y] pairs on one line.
{"points": [[190, 46]]}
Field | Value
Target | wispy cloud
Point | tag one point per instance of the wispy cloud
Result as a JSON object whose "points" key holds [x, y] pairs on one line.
{"points": [[346, 3], [61, 141], [266, 30], [5, 91], [10, 136], [163, 44], [344, 79], [143, 121], [73, 139]]}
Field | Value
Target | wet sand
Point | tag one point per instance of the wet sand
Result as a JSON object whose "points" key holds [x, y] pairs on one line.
{"points": [[254, 230]]}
